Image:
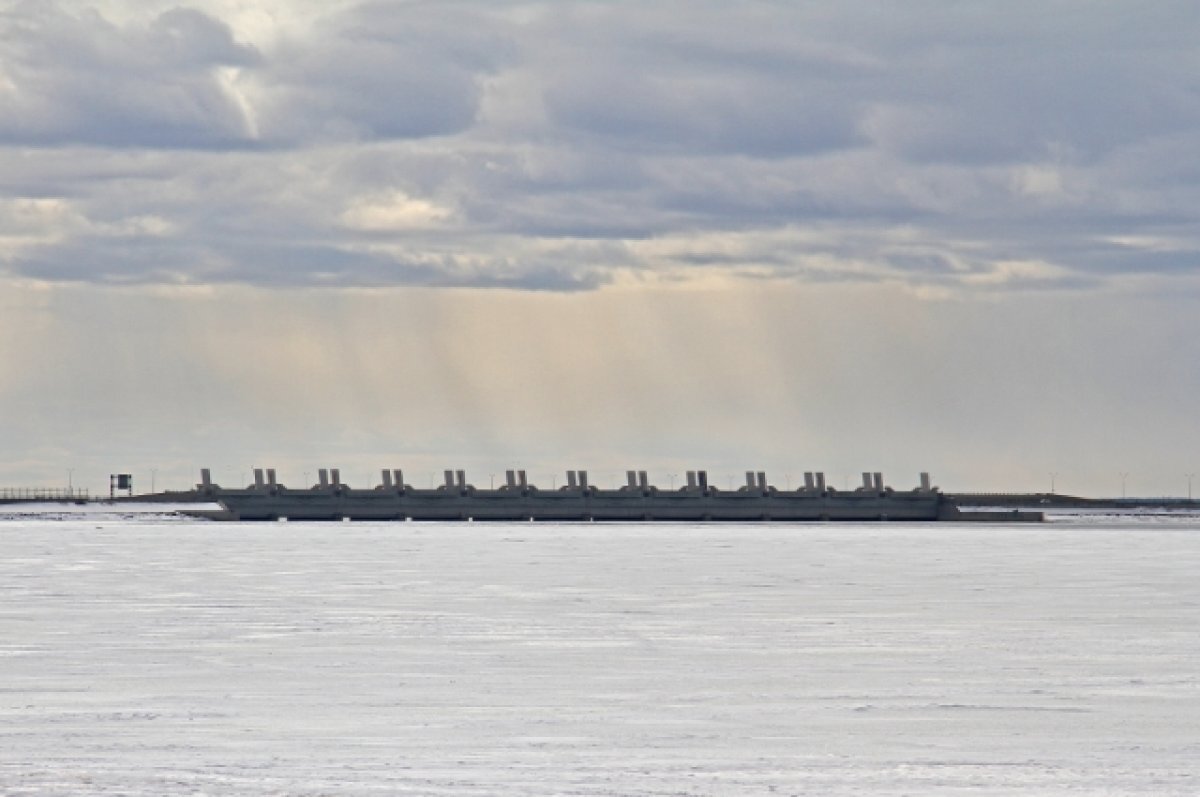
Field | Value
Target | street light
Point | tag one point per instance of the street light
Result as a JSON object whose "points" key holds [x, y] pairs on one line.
{"points": [[1190, 476], [1124, 476], [1053, 474], [71, 486]]}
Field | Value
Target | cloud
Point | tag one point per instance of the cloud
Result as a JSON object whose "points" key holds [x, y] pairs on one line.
{"points": [[392, 211], [379, 71], [79, 78], [182, 80], [556, 146]]}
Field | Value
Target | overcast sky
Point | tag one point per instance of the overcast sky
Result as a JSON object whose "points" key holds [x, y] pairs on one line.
{"points": [[962, 238]]}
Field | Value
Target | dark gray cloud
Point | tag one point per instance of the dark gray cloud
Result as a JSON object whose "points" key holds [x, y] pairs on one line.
{"points": [[77, 77], [991, 82], [666, 79], [977, 83], [381, 71], [282, 264], [975, 147], [80, 78]]}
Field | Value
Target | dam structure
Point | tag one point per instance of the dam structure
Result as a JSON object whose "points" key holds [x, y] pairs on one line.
{"points": [[579, 500]]}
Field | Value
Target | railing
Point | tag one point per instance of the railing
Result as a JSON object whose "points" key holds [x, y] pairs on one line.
{"points": [[43, 494]]}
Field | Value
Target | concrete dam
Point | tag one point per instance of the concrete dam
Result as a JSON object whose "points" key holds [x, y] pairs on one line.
{"points": [[580, 500]]}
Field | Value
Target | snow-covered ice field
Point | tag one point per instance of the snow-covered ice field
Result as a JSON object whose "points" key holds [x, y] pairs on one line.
{"points": [[146, 655]]}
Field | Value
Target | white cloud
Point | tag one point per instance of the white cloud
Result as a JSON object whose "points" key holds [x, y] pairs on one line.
{"points": [[1022, 273], [1041, 182], [394, 211]]}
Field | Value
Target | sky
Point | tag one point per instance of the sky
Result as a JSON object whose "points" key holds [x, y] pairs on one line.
{"points": [[901, 237]]}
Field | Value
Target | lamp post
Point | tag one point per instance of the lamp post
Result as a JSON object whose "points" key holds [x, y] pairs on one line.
{"points": [[1124, 476], [1053, 474], [71, 485], [1190, 476]]}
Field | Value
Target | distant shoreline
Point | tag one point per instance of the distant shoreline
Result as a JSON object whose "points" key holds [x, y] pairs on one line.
{"points": [[1058, 500]]}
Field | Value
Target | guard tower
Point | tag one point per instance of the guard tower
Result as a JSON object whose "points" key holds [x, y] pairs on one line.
{"points": [[120, 481]]}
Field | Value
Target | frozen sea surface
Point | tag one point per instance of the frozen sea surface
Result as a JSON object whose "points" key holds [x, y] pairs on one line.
{"points": [[142, 655]]}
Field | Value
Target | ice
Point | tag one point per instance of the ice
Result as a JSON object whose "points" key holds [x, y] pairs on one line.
{"points": [[154, 655], [133, 512]]}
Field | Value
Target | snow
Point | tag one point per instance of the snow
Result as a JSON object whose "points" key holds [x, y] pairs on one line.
{"points": [[152, 655]]}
